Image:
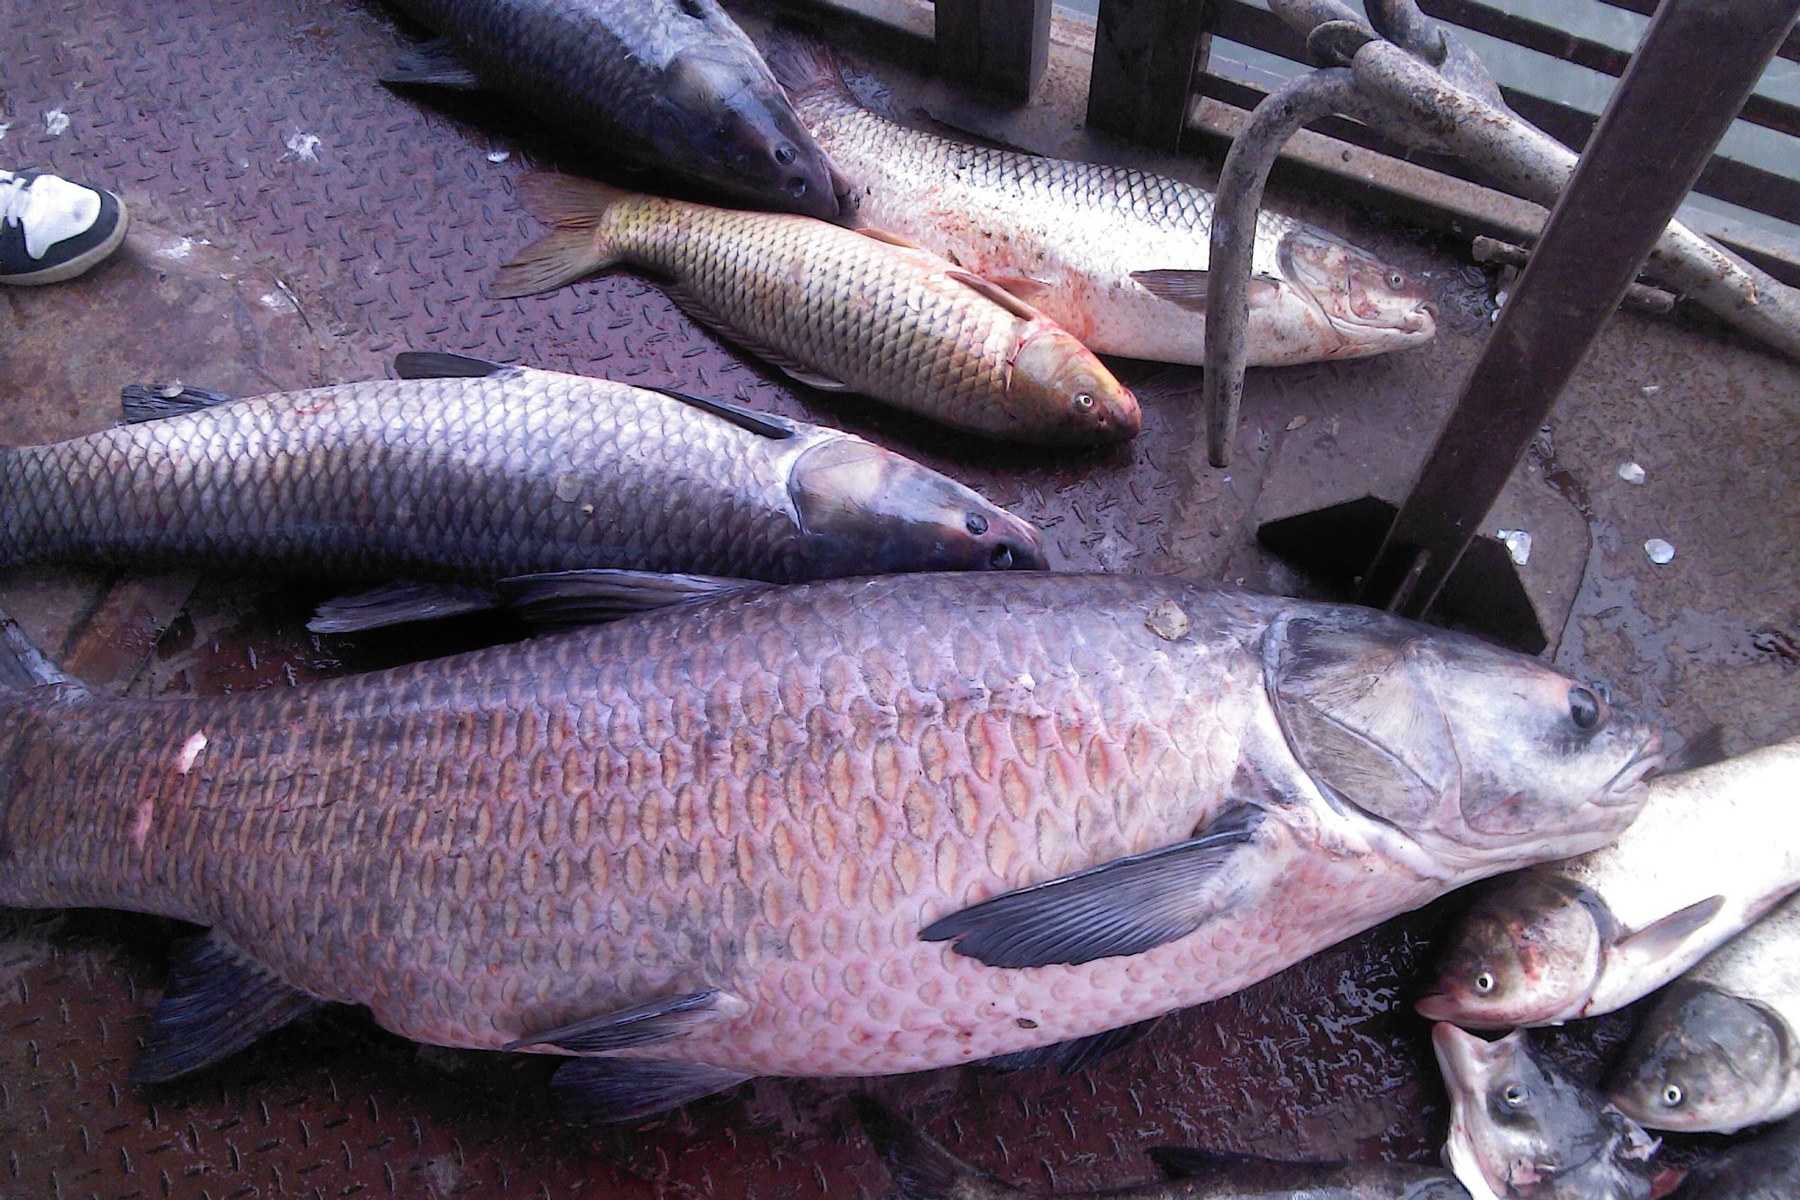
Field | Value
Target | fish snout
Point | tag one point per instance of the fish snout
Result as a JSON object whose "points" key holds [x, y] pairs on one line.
{"points": [[1628, 786]]}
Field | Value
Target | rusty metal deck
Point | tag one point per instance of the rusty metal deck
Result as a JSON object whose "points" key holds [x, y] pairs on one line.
{"points": [[296, 223]]}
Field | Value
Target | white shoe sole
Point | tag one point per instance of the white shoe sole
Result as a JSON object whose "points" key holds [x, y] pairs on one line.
{"points": [[75, 266]]}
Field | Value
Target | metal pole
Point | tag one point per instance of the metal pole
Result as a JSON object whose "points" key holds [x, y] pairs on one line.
{"points": [[1697, 62], [998, 45], [1146, 53]]}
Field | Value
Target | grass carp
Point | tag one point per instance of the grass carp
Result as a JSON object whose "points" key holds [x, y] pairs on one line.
{"points": [[671, 83], [1591, 935], [837, 310], [1115, 255], [856, 827], [1720, 1049], [484, 472]]}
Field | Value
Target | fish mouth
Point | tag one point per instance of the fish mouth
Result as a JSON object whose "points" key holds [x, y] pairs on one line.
{"points": [[1627, 786], [1464, 1061]]}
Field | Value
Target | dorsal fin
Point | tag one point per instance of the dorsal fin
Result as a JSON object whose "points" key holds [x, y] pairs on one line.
{"points": [[997, 294], [768, 425], [140, 402]]}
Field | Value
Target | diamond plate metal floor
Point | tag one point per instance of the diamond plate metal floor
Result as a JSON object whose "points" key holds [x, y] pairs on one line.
{"points": [[298, 223]]}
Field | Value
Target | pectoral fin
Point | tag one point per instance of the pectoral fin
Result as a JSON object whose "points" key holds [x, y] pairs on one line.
{"points": [[556, 599], [218, 1001], [710, 317], [442, 364], [626, 1089], [643, 1024], [997, 294], [398, 604], [1659, 939], [1122, 907], [433, 63], [1076, 1053], [768, 425], [1189, 289], [1702, 750], [1028, 290]]}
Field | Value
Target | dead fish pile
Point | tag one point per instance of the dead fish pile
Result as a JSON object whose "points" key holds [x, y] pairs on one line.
{"points": [[1721, 1049], [471, 472], [1587, 936], [838, 310], [808, 830], [923, 1170], [672, 83], [1117, 256], [1766, 1167]]}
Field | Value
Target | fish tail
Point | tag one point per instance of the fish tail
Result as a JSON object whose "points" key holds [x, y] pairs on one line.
{"points": [[803, 65], [920, 1168], [580, 240]]}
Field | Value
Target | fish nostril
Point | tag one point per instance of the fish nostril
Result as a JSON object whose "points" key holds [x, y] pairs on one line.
{"points": [[784, 154], [1002, 558], [796, 187]]}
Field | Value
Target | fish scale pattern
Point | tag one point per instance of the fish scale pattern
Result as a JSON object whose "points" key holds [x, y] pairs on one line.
{"points": [[453, 478], [885, 320], [769, 797]]}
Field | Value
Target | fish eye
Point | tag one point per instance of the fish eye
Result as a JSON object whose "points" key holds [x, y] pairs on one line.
{"points": [[1396, 280], [1002, 558], [976, 524], [1672, 1095], [1484, 982], [1083, 401], [784, 154], [1584, 708], [1514, 1094]]}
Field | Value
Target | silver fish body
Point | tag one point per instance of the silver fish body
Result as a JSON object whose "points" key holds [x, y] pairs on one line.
{"points": [[1116, 255], [1720, 1050], [1591, 935]]}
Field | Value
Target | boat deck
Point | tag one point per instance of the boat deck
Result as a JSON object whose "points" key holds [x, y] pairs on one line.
{"points": [[295, 223]]}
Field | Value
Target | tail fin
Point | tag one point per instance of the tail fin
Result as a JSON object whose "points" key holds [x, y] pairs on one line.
{"points": [[922, 1169], [803, 65], [578, 244], [23, 665]]}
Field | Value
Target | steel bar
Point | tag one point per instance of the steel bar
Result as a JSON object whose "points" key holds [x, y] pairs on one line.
{"points": [[998, 45], [1697, 62], [1241, 181], [1790, 49], [1145, 55]]}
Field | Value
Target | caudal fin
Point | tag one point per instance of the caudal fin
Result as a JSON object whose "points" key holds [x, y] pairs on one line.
{"points": [[579, 242], [23, 665], [922, 1169], [803, 65]]}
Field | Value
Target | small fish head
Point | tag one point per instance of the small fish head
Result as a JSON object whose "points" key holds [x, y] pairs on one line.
{"points": [[1528, 953], [869, 511], [1371, 304], [1480, 757], [1704, 1060], [1060, 383], [1520, 1128], [737, 130]]}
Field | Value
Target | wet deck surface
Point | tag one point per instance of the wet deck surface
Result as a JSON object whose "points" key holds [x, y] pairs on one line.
{"points": [[295, 223]]}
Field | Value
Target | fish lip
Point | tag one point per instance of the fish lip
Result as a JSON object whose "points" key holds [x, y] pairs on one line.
{"points": [[1627, 785], [1440, 1005], [1463, 1062]]}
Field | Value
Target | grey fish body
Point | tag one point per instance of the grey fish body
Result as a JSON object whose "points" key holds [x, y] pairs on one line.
{"points": [[1765, 1168], [1720, 1051], [672, 83], [474, 479]]}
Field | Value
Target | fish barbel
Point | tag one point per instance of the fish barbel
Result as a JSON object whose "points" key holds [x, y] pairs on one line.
{"points": [[847, 828], [1585, 937], [837, 310], [487, 472], [674, 84], [1115, 255], [1720, 1050]]}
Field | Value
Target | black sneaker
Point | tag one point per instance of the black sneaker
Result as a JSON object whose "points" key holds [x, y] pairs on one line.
{"points": [[51, 229]]}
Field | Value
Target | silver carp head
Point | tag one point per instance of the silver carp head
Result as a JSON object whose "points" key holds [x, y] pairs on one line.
{"points": [[1476, 757], [1529, 953], [1372, 305], [1521, 1130], [1703, 1061], [869, 511], [729, 122]]}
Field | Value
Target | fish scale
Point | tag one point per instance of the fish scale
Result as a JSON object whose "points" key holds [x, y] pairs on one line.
{"points": [[767, 799]]}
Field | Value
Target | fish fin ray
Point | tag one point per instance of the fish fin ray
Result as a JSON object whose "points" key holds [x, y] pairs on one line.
{"points": [[1118, 908], [769, 425], [1191, 1162], [1664, 936], [1704, 749], [398, 603], [704, 313], [140, 402], [627, 1089], [886, 235], [803, 64], [918, 1165], [577, 244], [997, 294], [442, 364], [643, 1024], [434, 64], [559, 599], [555, 260], [1189, 289], [1075, 1054], [218, 1001], [1022, 286], [24, 666]]}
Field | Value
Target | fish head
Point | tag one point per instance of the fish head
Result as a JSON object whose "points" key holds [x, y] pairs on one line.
{"points": [[868, 511], [733, 127], [1520, 1128], [1528, 953], [1058, 380], [1703, 1061], [1372, 305], [1468, 758]]}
